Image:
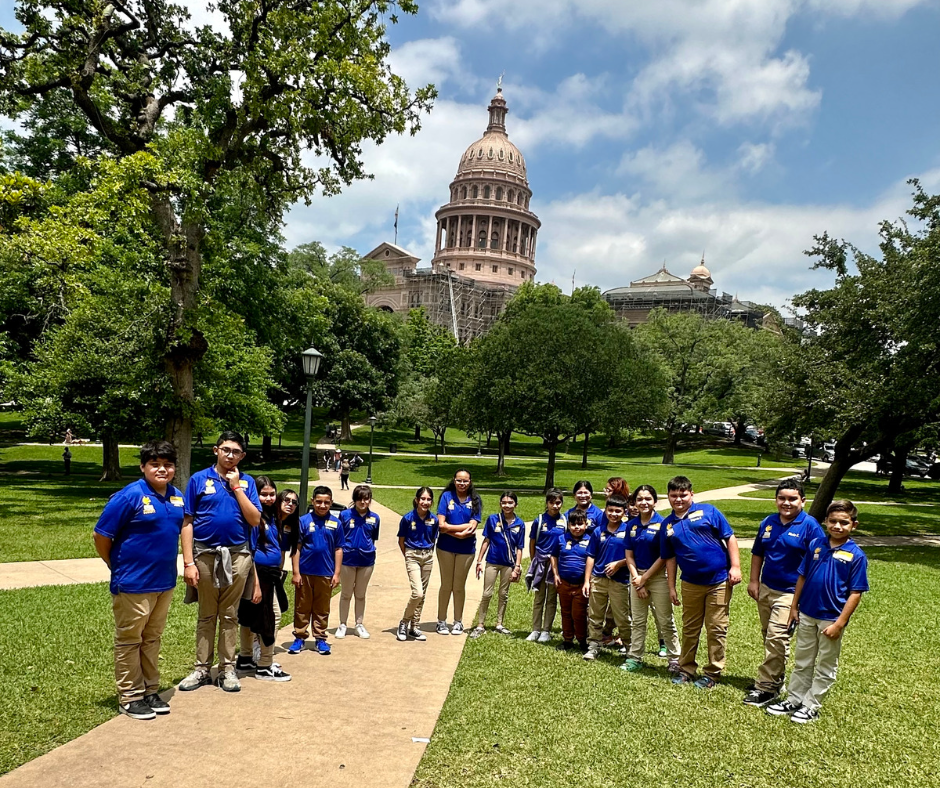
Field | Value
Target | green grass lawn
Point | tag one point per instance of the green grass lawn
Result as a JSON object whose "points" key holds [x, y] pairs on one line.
{"points": [[528, 715], [861, 486]]}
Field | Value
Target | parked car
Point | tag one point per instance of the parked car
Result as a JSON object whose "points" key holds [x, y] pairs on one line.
{"points": [[826, 452], [913, 466], [723, 429]]}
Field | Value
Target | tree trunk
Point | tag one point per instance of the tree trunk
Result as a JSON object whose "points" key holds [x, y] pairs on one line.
{"points": [[443, 433], [898, 467], [265, 447], [739, 427], [110, 459], [829, 484], [417, 432], [584, 450], [345, 432], [489, 437], [501, 456], [506, 437], [672, 441], [552, 445]]}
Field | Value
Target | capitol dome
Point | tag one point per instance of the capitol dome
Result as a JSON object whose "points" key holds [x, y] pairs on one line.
{"points": [[486, 231]]}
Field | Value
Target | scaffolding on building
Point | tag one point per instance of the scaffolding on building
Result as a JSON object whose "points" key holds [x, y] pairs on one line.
{"points": [[633, 304], [463, 306]]}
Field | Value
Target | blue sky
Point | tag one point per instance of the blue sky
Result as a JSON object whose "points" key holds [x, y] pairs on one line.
{"points": [[654, 131]]}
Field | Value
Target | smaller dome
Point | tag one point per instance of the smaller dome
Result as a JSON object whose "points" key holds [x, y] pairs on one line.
{"points": [[702, 272]]}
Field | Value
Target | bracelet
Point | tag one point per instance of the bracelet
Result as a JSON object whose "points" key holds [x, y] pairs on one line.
{"points": [[186, 566]]}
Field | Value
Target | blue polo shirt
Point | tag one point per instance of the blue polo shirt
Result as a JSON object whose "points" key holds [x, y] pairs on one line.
{"points": [[831, 575], [783, 547], [144, 529], [217, 518], [572, 556], [695, 542], [418, 533], [271, 553], [545, 530], [359, 536], [505, 538], [605, 548], [319, 539], [457, 513], [595, 516], [644, 541]]}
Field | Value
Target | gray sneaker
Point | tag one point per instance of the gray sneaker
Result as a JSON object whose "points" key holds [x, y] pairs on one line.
{"points": [[198, 678], [591, 654], [228, 681]]}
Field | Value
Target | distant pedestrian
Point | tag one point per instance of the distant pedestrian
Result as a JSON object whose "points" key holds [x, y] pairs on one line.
{"points": [[344, 474], [68, 436], [67, 461], [137, 537]]}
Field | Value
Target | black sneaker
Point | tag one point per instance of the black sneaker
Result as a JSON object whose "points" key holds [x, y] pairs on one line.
{"points": [[157, 703], [272, 672], [759, 698], [137, 710], [565, 645], [402, 631], [245, 664], [415, 633]]}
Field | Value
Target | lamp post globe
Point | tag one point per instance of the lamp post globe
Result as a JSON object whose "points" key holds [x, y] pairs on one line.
{"points": [[310, 360]]}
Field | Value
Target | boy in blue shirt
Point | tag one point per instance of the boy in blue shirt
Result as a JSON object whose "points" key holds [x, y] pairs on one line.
{"points": [[569, 559], [503, 537], [781, 543], [833, 576], [316, 566], [698, 539], [543, 534], [137, 536], [607, 577]]}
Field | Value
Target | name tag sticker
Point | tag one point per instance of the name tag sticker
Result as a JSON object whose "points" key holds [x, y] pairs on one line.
{"points": [[352, 524], [843, 555], [515, 529], [790, 533], [176, 500], [414, 526], [331, 525], [243, 483], [498, 529], [370, 520], [148, 509], [567, 545], [698, 515], [654, 528], [585, 542], [210, 486]]}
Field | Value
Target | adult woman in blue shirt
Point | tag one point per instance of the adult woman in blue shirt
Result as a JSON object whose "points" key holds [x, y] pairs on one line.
{"points": [[459, 512]]}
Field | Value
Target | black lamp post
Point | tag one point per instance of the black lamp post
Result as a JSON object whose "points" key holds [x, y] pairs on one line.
{"points": [[310, 359], [372, 420]]}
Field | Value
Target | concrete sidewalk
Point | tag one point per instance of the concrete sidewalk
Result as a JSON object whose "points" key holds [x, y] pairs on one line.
{"points": [[348, 719]]}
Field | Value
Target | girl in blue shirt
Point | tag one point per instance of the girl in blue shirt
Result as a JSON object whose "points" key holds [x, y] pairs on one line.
{"points": [[417, 533], [583, 492], [503, 537], [459, 512], [361, 530]]}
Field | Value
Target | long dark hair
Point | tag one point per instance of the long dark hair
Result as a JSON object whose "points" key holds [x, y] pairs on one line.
{"points": [[418, 493], [288, 526], [476, 505], [260, 483]]}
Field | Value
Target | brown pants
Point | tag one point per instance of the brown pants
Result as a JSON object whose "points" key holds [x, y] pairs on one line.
{"points": [[219, 606], [454, 568], [773, 607], [604, 591], [574, 612], [139, 620], [312, 606], [706, 605], [418, 565]]}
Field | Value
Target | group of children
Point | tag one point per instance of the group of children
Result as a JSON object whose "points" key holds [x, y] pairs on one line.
{"points": [[604, 568]]}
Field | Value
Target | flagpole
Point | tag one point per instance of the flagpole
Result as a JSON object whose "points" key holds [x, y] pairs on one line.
{"points": [[396, 225]]}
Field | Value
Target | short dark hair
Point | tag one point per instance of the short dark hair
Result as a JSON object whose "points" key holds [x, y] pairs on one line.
{"points": [[554, 494], [617, 500], [843, 505], [231, 435], [644, 488], [577, 517], [158, 450], [679, 484], [791, 484], [321, 490], [361, 491]]}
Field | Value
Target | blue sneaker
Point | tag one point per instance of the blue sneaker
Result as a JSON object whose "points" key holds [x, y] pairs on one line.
{"points": [[681, 678], [296, 647], [323, 647]]}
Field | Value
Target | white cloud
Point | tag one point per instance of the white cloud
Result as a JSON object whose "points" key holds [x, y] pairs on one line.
{"points": [[679, 170], [754, 156], [435, 60]]}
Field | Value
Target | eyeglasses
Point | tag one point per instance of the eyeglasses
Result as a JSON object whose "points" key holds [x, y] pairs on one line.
{"points": [[230, 452]]}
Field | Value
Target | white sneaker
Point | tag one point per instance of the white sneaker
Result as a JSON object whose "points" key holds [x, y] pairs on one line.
{"points": [[442, 628], [476, 632], [341, 631], [458, 628], [545, 637], [591, 654], [362, 632], [533, 636]]}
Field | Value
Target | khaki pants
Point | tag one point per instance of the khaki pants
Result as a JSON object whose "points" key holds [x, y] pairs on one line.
{"points": [[773, 607], [454, 568], [219, 606], [706, 605], [604, 591], [312, 606], [354, 581], [658, 599], [247, 638], [493, 571], [418, 564], [544, 607], [815, 663], [139, 620], [574, 612]]}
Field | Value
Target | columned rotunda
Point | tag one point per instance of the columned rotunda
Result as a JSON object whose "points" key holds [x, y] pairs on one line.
{"points": [[487, 231]]}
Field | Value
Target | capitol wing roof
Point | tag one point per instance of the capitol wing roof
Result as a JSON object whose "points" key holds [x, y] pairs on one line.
{"points": [[662, 276]]}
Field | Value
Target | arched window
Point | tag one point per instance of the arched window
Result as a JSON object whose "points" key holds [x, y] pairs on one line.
{"points": [[501, 154], [463, 193], [490, 154], [511, 196], [476, 192], [494, 241], [480, 153], [482, 242], [510, 157], [520, 198], [499, 192], [486, 192]]}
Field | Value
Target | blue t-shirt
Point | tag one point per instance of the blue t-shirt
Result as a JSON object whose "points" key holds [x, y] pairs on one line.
{"points": [[319, 539], [831, 575], [783, 547], [605, 548], [572, 556], [359, 535], [644, 541], [271, 553], [217, 517], [695, 542], [545, 531], [505, 539], [418, 533], [144, 529], [595, 516], [457, 513]]}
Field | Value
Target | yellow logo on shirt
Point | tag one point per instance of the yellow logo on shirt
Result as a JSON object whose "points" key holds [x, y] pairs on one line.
{"points": [[816, 553], [145, 500], [633, 532], [767, 532], [176, 500]]}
